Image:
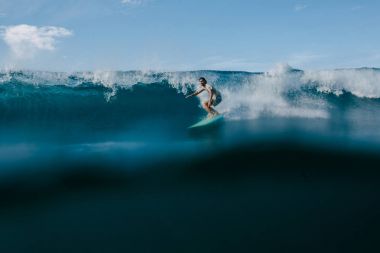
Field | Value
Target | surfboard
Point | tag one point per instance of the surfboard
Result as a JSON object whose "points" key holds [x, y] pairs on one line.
{"points": [[207, 122]]}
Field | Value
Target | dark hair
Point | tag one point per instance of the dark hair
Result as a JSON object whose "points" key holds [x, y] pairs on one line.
{"points": [[202, 79]]}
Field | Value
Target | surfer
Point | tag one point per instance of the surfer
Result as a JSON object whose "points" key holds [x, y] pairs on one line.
{"points": [[214, 97]]}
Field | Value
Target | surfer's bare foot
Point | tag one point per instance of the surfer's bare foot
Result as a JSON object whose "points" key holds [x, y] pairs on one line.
{"points": [[214, 112]]}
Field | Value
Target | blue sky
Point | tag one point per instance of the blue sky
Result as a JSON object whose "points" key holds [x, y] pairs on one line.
{"points": [[251, 35]]}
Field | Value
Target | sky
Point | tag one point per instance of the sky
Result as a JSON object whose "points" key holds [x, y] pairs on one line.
{"points": [[172, 35]]}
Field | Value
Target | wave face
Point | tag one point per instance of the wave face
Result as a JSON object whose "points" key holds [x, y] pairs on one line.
{"points": [[110, 99]]}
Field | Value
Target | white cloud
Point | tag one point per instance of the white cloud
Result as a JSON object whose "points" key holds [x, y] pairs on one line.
{"points": [[222, 63], [26, 40], [300, 7], [357, 8], [134, 2], [305, 58]]}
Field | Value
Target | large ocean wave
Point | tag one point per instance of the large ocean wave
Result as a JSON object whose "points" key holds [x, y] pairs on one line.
{"points": [[281, 92]]}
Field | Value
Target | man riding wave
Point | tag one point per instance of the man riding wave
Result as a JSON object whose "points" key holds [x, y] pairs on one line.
{"points": [[214, 99]]}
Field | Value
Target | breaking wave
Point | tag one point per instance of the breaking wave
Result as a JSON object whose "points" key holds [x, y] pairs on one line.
{"points": [[281, 92]]}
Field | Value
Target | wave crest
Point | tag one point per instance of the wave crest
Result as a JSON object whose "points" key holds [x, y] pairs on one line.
{"points": [[282, 91]]}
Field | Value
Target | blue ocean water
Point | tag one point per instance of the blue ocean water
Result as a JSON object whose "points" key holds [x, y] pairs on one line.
{"points": [[142, 106], [139, 112], [104, 162]]}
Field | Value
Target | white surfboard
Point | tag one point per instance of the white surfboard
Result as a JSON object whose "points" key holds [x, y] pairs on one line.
{"points": [[208, 122]]}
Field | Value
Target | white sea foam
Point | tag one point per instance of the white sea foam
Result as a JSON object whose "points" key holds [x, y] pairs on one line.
{"points": [[282, 91], [266, 95], [363, 83]]}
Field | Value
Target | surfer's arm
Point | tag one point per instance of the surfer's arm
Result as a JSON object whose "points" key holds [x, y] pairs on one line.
{"points": [[195, 93]]}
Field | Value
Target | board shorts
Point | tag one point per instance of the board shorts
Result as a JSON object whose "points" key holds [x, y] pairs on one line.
{"points": [[217, 100]]}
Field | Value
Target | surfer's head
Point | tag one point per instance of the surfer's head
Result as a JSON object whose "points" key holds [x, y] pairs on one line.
{"points": [[202, 81]]}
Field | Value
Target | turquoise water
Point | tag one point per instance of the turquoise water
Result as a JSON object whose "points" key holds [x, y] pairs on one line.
{"points": [[104, 162]]}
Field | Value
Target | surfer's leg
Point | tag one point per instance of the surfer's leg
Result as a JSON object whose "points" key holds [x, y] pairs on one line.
{"points": [[209, 110], [213, 111], [206, 107]]}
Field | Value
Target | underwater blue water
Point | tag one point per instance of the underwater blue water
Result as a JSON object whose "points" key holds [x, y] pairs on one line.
{"points": [[105, 162]]}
